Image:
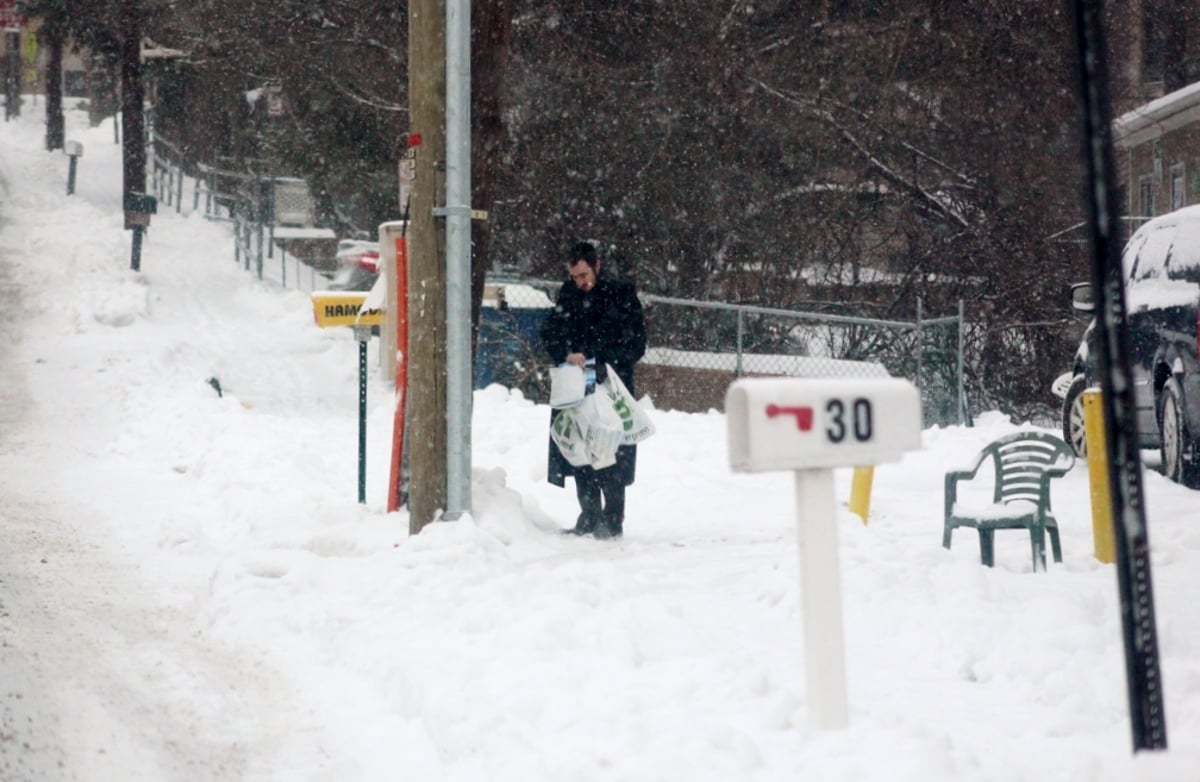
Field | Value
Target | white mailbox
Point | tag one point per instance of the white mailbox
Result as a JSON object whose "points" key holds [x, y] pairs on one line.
{"points": [[73, 149], [793, 424], [810, 427]]}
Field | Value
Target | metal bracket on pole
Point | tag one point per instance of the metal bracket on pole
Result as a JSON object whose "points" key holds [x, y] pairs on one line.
{"points": [[460, 211]]}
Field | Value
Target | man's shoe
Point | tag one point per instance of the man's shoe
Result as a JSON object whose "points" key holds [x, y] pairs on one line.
{"points": [[584, 525], [609, 528]]}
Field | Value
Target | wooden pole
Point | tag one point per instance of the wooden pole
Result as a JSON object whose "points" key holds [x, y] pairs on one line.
{"points": [[427, 240]]}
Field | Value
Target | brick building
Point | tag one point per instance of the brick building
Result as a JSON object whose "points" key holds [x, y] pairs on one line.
{"points": [[1156, 95]]}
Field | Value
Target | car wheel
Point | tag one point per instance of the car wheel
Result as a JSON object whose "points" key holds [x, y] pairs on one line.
{"points": [[1177, 447], [1074, 431]]}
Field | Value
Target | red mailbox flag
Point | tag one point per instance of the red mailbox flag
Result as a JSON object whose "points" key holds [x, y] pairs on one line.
{"points": [[804, 415]]}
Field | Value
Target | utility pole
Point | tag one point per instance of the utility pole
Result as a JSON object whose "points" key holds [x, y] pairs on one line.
{"points": [[426, 432]]}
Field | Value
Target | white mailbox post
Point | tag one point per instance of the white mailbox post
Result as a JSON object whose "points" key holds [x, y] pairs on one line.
{"points": [[812, 426]]}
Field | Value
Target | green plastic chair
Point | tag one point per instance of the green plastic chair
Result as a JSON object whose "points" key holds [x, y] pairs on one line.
{"points": [[1025, 463]]}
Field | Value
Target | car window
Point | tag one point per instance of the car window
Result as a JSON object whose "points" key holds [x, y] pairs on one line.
{"points": [[1152, 250], [1162, 262], [1159, 292], [1184, 261], [1132, 256]]}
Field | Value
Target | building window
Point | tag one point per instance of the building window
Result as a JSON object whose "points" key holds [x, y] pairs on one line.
{"points": [[1145, 197], [1178, 190]]}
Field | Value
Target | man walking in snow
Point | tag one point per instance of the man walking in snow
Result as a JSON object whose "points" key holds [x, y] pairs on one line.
{"points": [[596, 318]]}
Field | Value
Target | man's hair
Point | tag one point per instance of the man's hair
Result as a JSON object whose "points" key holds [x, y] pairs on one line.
{"points": [[584, 251]]}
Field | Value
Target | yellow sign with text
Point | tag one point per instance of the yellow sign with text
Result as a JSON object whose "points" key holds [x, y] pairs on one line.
{"points": [[337, 308]]}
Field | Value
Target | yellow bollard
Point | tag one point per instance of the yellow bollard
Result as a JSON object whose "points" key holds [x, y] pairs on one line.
{"points": [[860, 491], [1097, 459]]}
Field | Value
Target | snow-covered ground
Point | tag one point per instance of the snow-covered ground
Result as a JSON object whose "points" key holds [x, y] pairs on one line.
{"points": [[190, 590]]}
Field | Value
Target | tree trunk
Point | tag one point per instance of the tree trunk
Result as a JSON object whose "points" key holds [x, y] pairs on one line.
{"points": [[132, 128], [12, 75], [52, 37], [490, 35]]}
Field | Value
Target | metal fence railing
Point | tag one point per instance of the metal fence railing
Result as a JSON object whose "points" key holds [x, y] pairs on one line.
{"points": [[696, 347], [166, 170], [219, 188], [271, 215]]}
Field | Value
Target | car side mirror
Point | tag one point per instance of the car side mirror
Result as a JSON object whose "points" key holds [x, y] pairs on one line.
{"points": [[1082, 298]]}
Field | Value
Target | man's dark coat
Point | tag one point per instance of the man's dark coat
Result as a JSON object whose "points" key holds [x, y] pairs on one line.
{"points": [[606, 323]]}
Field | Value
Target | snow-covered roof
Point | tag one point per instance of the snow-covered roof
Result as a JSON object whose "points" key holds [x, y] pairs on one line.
{"points": [[1148, 121]]}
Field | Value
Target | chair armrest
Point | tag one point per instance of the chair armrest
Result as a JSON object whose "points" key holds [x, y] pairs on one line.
{"points": [[954, 476], [967, 473], [1044, 483], [951, 490]]}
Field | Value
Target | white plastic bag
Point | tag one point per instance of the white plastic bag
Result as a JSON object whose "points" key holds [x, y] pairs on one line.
{"points": [[589, 433], [569, 434], [603, 432], [567, 386], [635, 421]]}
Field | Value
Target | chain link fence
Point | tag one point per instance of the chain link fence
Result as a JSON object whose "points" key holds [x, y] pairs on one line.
{"points": [[695, 349]]}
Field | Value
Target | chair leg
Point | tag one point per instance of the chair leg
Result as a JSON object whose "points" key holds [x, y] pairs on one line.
{"points": [[1055, 543], [946, 533], [1037, 541], [987, 547]]}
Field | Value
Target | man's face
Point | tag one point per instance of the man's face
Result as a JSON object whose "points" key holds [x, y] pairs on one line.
{"points": [[584, 275]]}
